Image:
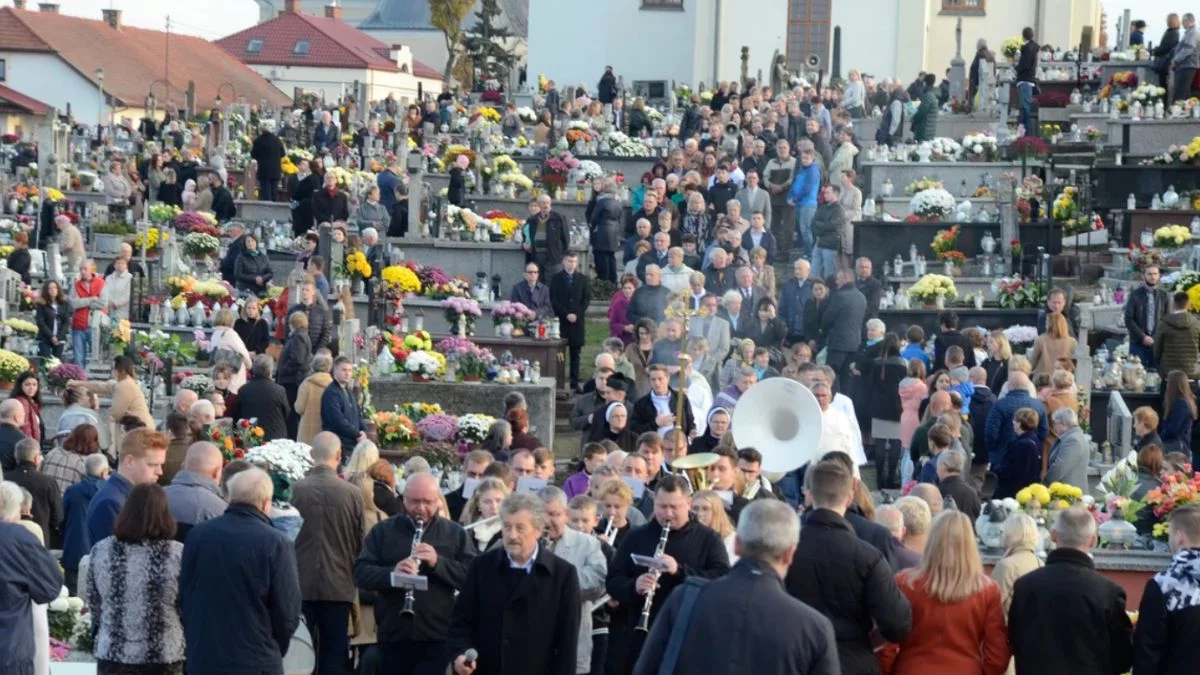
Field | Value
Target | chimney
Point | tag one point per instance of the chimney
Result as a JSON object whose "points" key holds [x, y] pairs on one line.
{"points": [[333, 11], [291, 7], [18, 4], [48, 7], [112, 17]]}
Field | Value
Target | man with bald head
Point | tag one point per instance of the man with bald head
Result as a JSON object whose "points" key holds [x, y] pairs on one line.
{"points": [[193, 496], [649, 301], [238, 588], [893, 519], [998, 430], [930, 495], [549, 238], [415, 644], [329, 541], [12, 416]]}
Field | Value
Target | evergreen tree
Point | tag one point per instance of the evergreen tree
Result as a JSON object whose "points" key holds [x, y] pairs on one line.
{"points": [[485, 42]]}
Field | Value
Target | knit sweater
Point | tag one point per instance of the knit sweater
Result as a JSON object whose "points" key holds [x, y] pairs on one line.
{"points": [[133, 596]]}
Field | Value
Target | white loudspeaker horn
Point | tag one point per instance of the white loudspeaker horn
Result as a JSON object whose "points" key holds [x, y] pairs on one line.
{"points": [[781, 419]]}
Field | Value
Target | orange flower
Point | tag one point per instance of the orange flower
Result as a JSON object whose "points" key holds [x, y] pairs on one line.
{"points": [[258, 432], [228, 443]]}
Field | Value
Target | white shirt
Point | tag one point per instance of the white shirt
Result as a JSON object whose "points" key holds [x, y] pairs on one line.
{"points": [[528, 566], [662, 406], [837, 435], [700, 398], [844, 405]]}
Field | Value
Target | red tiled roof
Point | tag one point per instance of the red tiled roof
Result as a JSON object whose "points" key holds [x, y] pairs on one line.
{"points": [[331, 44], [133, 58], [31, 105]]}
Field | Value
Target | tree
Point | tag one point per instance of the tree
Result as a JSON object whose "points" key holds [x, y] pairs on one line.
{"points": [[485, 42], [448, 16]]}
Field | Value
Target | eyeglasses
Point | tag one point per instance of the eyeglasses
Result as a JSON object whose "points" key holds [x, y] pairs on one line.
{"points": [[531, 271]]}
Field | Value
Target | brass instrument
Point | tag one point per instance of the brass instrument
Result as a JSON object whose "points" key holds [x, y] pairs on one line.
{"points": [[695, 468], [410, 596], [644, 622]]}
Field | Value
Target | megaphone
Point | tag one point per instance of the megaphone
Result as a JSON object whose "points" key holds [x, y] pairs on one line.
{"points": [[781, 419], [814, 61], [731, 129]]}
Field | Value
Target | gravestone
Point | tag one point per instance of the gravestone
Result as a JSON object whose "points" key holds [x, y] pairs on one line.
{"points": [[958, 67]]}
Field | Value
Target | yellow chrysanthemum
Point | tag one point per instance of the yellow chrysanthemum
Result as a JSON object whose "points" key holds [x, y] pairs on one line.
{"points": [[401, 278]]}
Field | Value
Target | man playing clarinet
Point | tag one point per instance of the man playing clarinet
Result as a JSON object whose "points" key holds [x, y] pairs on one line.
{"points": [[682, 546]]}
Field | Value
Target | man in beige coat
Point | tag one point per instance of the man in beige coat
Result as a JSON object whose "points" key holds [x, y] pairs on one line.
{"points": [[70, 242]]}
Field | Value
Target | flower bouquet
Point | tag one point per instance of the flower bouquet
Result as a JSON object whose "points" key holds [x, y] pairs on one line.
{"points": [[457, 308], [923, 184], [196, 221], [1093, 134], [1015, 292], [286, 460], [201, 384], [162, 213], [933, 286], [423, 364], [417, 410], [473, 427], [586, 172], [1142, 257], [439, 428], [932, 204], [12, 365], [1020, 337], [942, 149], [515, 312], [70, 625], [1148, 94], [21, 326], [58, 376], [944, 242], [1179, 488], [394, 429], [151, 239], [200, 245], [356, 266], [980, 147], [1011, 47], [1172, 236], [401, 279], [1030, 146]]}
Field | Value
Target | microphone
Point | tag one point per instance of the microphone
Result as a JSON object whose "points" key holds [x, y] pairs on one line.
{"points": [[471, 655]]}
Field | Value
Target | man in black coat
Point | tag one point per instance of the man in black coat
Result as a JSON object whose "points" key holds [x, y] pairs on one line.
{"points": [[657, 255], [691, 550], [746, 622], [950, 467], [608, 226], [442, 555], [1168, 627], [301, 188], [842, 323], [474, 464], [606, 91], [30, 575], [981, 405], [320, 319], [871, 287], [844, 578], [47, 509], [569, 296], [329, 204], [722, 191], [12, 415], [549, 238], [268, 152], [532, 292], [1026, 72], [656, 411], [1066, 616], [262, 399], [519, 608], [239, 589], [222, 200], [950, 337], [1144, 309]]}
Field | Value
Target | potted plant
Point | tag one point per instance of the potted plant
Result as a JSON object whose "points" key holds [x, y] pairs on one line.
{"points": [[11, 367], [58, 376], [200, 246], [933, 289], [423, 365], [108, 236]]}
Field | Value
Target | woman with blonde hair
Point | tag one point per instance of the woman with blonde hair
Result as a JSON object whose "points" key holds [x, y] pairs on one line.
{"points": [[999, 352], [484, 504], [1062, 394], [364, 456], [764, 274], [710, 512], [958, 614], [1020, 558], [1055, 343], [228, 347], [743, 356]]}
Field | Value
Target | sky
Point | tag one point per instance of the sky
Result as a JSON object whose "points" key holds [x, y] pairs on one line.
{"points": [[213, 19]]}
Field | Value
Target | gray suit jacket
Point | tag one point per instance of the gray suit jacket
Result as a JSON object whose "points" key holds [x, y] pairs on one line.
{"points": [[717, 331], [1186, 55], [1069, 459], [584, 552], [760, 201]]}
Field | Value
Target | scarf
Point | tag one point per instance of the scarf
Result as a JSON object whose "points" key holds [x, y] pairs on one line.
{"points": [[1180, 582]]}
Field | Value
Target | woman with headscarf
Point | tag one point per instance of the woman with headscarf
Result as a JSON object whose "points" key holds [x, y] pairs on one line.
{"points": [[716, 425], [189, 195], [615, 429]]}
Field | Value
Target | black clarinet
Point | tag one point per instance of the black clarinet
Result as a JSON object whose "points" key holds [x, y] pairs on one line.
{"points": [[644, 622]]}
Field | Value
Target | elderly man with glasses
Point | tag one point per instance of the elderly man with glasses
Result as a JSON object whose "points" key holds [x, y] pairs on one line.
{"points": [[531, 292]]}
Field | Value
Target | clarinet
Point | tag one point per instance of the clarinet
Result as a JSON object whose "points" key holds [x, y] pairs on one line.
{"points": [[410, 596], [644, 622]]}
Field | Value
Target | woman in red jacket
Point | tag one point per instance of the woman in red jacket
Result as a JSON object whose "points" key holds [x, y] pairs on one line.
{"points": [[958, 616], [27, 390]]}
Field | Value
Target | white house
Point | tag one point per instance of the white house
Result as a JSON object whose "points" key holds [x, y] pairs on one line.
{"points": [[685, 41], [903, 37], [102, 71], [326, 56]]}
